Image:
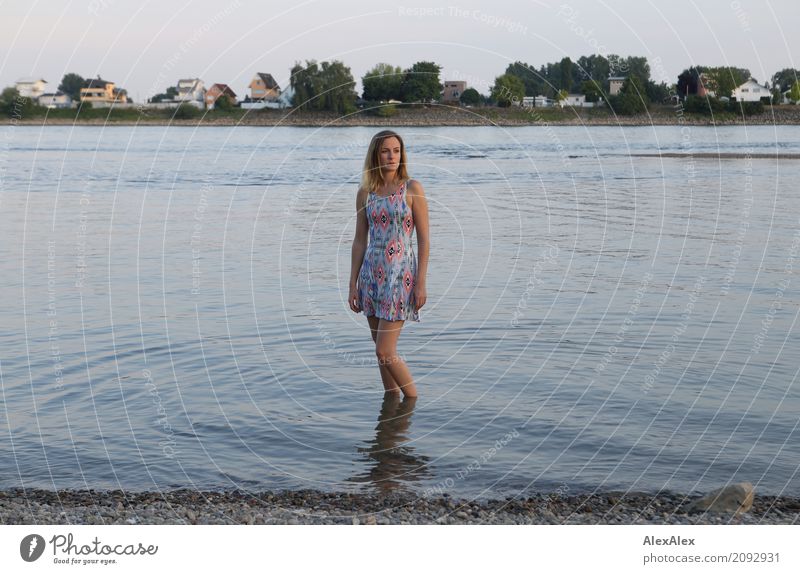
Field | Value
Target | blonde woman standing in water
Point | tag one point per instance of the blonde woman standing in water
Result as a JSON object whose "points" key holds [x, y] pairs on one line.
{"points": [[385, 281]]}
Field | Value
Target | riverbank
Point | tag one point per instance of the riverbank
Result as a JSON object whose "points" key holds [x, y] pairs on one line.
{"points": [[314, 507], [413, 116]]}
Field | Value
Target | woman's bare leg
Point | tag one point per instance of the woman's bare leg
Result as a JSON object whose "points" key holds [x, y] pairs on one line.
{"points": [[389, 384], [386, 350]]}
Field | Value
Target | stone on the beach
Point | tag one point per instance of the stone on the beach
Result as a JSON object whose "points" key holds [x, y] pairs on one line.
{"points": [[736, 498]]}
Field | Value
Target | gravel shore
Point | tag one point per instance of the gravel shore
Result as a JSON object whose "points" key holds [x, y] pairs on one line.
{"points": [[315, 507]]}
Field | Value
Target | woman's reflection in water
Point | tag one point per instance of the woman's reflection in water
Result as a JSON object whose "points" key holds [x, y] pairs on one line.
{"points": [[395, 464]]}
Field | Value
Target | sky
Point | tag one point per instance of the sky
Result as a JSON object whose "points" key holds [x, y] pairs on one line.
{"points": [[146, 46]]}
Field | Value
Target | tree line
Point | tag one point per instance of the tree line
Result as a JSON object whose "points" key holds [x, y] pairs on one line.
{"points": [[330, 86], [588, 75]]}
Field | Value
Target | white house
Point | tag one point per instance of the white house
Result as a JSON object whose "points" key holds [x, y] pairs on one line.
{"points": [[527, 101], [191, 91], [542, 102], [57, 100], [30, 87], [615, 84], [574, 100], [786, 97], [751, 91]]}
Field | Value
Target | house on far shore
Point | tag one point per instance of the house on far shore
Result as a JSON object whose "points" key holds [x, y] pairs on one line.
{"points": [[218, 91], [101, 93], [264, 88], [191, 91], [615, 84], [452, 91], [57, 100], [786, 97], [751, 91], [541, 101], [30, 87], [286, 97], [706, 86], [575, 101]]}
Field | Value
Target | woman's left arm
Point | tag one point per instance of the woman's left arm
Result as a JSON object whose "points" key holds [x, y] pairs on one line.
{"points": [[419, 211]]}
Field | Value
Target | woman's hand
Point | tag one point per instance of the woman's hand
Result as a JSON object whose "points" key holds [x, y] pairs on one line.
{"points": [[352, 298], [420, 295]]}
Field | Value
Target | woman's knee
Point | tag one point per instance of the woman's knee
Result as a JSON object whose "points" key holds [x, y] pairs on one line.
{"points": [[385, 353]]}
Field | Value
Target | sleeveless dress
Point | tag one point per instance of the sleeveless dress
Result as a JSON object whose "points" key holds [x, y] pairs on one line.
{"points": [[389, 270]]}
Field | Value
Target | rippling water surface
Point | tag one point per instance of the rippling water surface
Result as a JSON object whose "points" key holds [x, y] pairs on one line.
{"points": [[174, 312]]}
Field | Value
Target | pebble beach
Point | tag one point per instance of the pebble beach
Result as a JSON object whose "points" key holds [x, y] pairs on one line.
{"points": [[314, 507]]}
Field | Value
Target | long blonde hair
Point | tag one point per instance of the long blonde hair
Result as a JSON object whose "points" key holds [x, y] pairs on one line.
{"points": [[371, 177]]}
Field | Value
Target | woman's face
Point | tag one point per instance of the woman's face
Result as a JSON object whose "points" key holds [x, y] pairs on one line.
{"points": [[390, 154]]}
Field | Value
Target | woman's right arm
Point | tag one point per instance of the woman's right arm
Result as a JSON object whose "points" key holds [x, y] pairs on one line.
{"points": [[359, 248]]}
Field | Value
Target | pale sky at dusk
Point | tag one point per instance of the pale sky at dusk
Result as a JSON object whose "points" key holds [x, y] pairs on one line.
{"points": [[147, 46]]}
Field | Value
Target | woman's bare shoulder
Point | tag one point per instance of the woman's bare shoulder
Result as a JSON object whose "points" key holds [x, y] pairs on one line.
{"points": [[361, 197], [415, 187]]}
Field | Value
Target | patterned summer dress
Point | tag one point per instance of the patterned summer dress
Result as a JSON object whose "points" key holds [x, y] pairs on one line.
{"points": [[389, 270]]}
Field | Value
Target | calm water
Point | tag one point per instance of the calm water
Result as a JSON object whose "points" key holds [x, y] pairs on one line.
{"points": [[174, 312]]}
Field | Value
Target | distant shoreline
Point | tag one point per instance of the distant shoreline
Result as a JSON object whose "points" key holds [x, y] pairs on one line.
{"points": [[417, 117], [720, 155]]}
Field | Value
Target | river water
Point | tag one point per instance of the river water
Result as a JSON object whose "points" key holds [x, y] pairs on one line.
{"points": [[174, 311]]}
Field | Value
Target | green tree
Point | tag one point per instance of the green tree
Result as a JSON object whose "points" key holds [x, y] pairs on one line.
{"points": [[594, 67], [383, 82], [529, 76], [592, 90], [632, 98], [71, 85], [470, 97], [328, 86], [421, 82], [794, 93], [223, 103], [15, 106], [785, 79], [551, 73], [656, 93], [7, 99], [507, 89], [565, 73], [305, 84], [339, 87], [725, 79], [637, 66], [170, 94]]}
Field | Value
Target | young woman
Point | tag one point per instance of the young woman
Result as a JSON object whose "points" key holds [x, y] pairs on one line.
{"points": [[385, 281]]}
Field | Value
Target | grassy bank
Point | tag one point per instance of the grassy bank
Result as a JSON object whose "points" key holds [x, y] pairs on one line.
{"points": [[412, 115]]}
